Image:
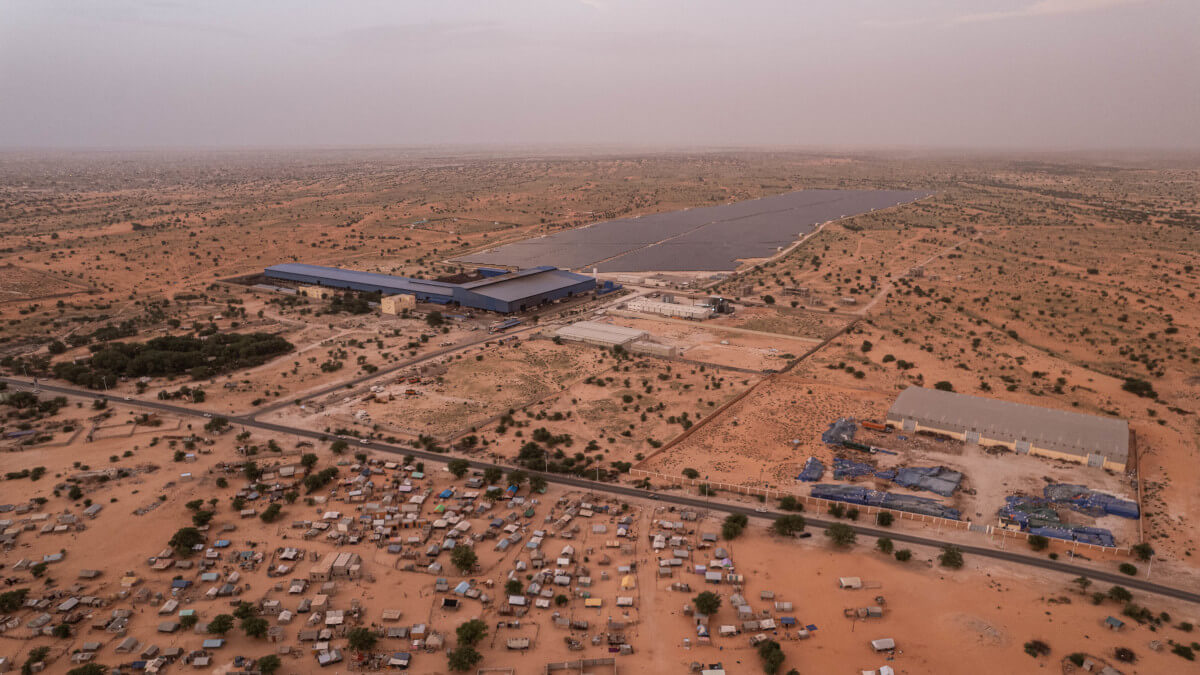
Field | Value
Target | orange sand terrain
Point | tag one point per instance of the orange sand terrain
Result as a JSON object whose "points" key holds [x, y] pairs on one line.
{"points": [[1064, 283]]}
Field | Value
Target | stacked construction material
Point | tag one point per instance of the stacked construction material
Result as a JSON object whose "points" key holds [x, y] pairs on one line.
{"points": [[852, 494], [936, 479], [847, 468], [1037, 516], [840, 431], [1085, 535], [1085, 500], [1027, 512]]}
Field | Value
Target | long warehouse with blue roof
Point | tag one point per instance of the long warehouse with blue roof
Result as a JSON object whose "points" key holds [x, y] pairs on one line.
{"points": [[495, 291]]}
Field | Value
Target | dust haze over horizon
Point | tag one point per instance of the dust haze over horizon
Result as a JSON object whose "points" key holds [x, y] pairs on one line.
{"points": [[995, 74]]}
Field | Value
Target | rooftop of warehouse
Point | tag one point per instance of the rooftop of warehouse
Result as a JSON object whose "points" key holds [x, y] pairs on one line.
{"points": [[595, 328], [400, 284], [526, 283], [1060, 430], [506, 287]]}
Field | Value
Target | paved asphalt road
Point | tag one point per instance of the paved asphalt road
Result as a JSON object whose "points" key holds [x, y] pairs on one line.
{"points": [[676, 500]]}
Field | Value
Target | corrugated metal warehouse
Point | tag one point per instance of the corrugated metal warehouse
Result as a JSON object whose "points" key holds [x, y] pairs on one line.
{"points": [[1058, 434], [600, 334], [669, 309], [498, 291]]}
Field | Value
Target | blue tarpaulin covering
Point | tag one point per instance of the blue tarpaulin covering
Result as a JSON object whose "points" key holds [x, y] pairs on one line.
{"points": [[1085, 500], [839, 432], [853, 494], [847, 468], [812, 472], [935, 479], [1087, 535], [1028, 511]]}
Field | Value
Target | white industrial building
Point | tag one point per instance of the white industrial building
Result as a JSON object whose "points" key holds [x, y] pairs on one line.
{"points": [[653, 349], [669, 309], [600, 334]]}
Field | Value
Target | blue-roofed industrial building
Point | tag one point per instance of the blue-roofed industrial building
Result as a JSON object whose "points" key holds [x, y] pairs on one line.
{"points": [[497, 290]]}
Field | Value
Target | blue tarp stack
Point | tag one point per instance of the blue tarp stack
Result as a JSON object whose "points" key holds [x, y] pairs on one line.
{"points": [[812, 472], [1028, 512], [847, 468], [853, 494], [935, 479], [1086, 535], [839, 432], [1036, 515], [1085, 500]]}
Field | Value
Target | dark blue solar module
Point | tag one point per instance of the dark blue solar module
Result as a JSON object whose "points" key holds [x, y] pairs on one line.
{"points": [[712, 238]]}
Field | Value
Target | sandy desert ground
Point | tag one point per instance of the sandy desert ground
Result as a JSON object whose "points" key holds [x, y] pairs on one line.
{"points": [[1068, 283]]}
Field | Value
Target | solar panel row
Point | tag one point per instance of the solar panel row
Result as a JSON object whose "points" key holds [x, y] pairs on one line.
{"points": [[711, 238]]}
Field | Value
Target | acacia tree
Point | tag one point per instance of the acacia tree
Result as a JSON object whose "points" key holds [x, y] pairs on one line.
{"points": [[707, 603], [220, 624], [184, 540], [788, 525], [458, 467], [463, 557], [255, 626], [268, 665], [361, 639], [841, 534], [464, 658], [951, 557], [470, 633]]}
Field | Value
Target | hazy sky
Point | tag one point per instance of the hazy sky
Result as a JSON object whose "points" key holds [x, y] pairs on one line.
{"points": [[946, 73]]}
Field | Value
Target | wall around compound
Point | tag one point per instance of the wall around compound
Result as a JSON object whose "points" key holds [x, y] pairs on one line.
{"points": [[1010, 444]]}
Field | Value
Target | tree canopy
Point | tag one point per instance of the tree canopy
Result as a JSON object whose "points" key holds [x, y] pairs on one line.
{"points": [[220, 624], [707, 603], [470, 633], [464, 658], [841, 534], [788, 525], [458, 467], [361, 639], [184, 540], [463, 557], [170, 356]]}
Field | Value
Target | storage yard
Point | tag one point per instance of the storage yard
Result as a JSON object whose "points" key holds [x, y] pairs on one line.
{"points": [[777, 443]]}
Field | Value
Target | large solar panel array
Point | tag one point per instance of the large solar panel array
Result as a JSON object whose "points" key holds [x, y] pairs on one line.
{"points": [[712, 238]]}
